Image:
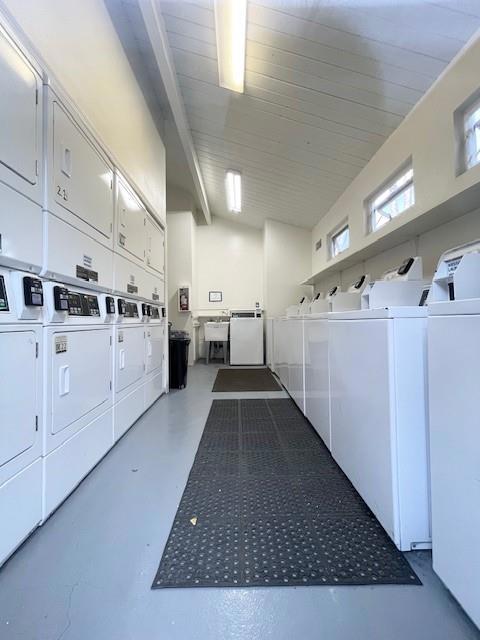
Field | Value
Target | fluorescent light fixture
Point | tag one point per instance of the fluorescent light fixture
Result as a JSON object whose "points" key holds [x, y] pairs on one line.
{"points": [[233, 186], [231, 29]]}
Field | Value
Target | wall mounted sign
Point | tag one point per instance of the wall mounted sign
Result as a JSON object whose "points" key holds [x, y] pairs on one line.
{"points": [[215, 296]]}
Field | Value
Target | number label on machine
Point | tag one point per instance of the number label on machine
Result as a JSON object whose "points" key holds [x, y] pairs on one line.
{"points": [[60, 344], [120, 336]]}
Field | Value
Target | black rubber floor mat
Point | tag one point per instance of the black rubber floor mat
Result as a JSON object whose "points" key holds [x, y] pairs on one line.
{"points": [[266, 505], [260, 379]]}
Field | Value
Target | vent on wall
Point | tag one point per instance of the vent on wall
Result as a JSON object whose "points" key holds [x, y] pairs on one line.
{"points": [[318, 244]]}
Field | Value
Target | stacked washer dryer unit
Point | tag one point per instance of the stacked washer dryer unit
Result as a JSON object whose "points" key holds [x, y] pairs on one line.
{"points": [[378, 381], [21, 295], [139, 334], [454, 380], [316, 350], [78, 258]]}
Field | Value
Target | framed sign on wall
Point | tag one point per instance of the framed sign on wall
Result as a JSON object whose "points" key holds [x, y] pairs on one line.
{"points": [[215, 296]]}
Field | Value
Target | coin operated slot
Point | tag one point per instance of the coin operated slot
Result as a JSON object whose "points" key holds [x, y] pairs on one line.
{"points": [[60, 298], [359, 283], [109, 305], [32, 292], [121, 306]]}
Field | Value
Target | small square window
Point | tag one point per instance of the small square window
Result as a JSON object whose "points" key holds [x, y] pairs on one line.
{"points": [[471, 131], [392, 200], [339, 241]]}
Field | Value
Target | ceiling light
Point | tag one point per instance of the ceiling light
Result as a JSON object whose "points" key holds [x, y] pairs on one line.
{"points": [[233, 186], [231, 28]]}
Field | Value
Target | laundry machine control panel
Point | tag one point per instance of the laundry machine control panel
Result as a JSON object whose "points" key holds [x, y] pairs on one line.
{"points": [[21, 296], [33, 291], [127, 311], [74, 305], [456, 276]]}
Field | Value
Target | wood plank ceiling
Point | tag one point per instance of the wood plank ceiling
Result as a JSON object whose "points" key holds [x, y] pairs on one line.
{"points": [[327, 81]]}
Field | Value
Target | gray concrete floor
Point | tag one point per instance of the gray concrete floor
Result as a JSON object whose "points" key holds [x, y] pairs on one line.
{"points": [[86, 574]]}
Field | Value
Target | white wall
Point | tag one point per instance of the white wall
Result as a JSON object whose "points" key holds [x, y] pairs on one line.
{"points": [[229, 259], [426, 135], [77, 40], [180, 268], [287, 261]]}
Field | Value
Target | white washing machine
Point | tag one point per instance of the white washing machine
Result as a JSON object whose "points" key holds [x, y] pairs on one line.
{"points": [[317, 370], [78, 387], [21, 161], [128, 363], [79, 202], [280, 327], [378, 400], [21, 348], [294, 344], [246, 337], [155, 347], [454, 381]]}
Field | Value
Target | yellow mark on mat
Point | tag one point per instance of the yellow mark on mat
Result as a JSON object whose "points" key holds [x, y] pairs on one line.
{"points": [[193, 520]]}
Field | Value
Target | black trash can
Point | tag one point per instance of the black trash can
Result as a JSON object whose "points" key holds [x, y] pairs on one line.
{"points": [[179, 342]]}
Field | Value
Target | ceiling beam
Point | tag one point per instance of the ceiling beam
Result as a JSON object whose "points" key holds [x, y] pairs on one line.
{"points": [[157, 34]]}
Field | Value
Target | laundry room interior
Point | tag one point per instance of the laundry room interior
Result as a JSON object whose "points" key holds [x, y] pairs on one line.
{"points": [[239, 319]]}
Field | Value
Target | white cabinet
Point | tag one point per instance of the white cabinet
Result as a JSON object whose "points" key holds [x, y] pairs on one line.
{"points": [[296, 370], [155, 246], [130, 230], [21, 166]]}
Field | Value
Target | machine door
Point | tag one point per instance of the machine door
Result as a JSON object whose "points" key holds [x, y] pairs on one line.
{"points": [[154, 346], [131, 234], [19, 112], [130, 354], [80, 374], [155, 246], [18, 399], [246, 341], [82, 178]]}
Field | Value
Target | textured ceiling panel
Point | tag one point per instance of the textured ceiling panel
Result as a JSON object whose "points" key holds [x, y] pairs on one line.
{"points": [[327, 81]]}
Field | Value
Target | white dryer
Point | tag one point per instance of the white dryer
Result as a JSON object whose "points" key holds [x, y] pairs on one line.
{"points": [[21, 162], [79, 202], [154, 354], [378, 403], [246, 337], [454, 381], [128, 363], [21, 348], [78, 387]]}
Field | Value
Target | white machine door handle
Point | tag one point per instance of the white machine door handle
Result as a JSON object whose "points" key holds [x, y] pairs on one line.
{"points": [[149, 348], [122, 358], [64, 380], [66, 161]]}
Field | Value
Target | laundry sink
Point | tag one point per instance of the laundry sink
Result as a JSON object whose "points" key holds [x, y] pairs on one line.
{"points": [[216, 331]]}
